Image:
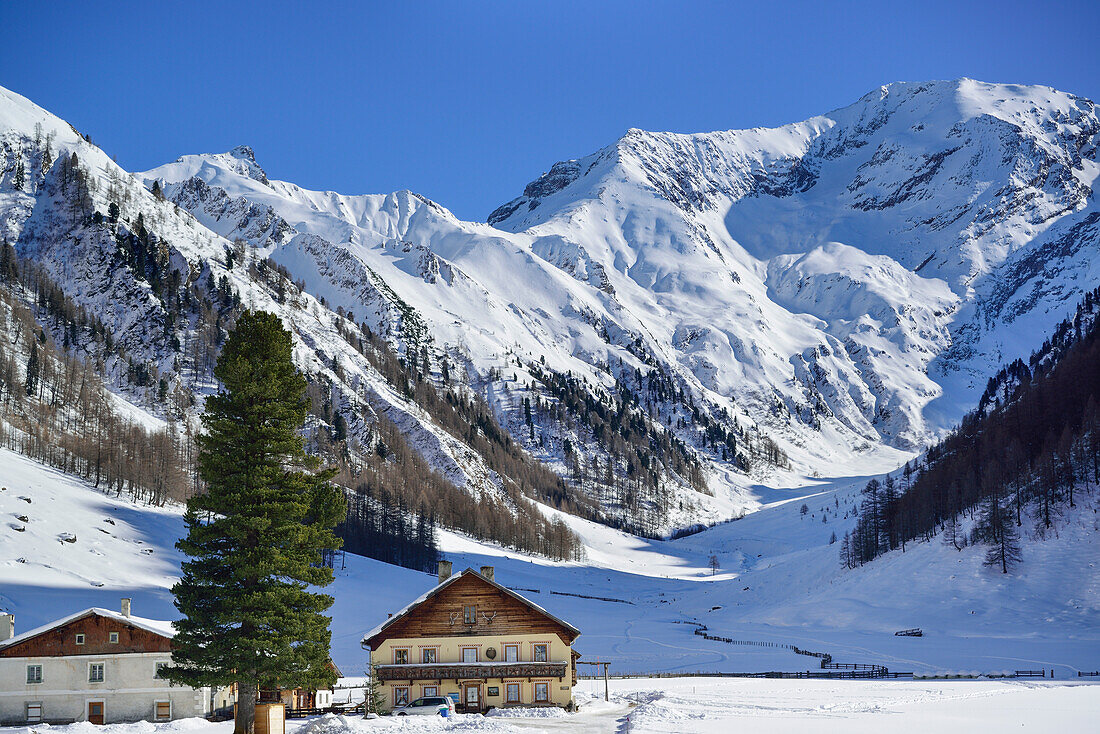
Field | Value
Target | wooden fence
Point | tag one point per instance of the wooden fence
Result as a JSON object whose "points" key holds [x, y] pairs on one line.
{"points": [[703, 631], [302, 713], [597, 598], [829, 669], [799, 674]]}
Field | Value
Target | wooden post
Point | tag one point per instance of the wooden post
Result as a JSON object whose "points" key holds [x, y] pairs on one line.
{"points": [[606, 691]]}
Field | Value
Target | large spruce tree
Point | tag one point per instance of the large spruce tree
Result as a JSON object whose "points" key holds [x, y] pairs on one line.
{"points": [[255, 536]]}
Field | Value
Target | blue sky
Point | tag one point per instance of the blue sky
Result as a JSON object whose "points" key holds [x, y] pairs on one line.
{"points": [[467, 102]]}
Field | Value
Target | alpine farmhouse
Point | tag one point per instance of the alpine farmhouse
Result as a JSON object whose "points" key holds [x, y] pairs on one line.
{"points": [[477, 641], [97, 666]]}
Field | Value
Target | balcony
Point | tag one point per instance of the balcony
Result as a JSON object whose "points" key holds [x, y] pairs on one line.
{"points": [[467, 671]]}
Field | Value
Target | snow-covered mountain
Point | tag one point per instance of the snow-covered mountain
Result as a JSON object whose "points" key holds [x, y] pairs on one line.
{"points": [[905, 232], [846, 284], [162, 287], [672, 317]]}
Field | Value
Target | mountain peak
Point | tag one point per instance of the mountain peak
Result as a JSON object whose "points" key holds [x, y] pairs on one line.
{"points": [[244, 153], [242, 160], [703, 170]]}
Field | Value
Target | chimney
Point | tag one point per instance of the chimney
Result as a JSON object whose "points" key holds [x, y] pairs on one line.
{"points": [[126, 607], [487, 572], [7, 626], [444, 571]]}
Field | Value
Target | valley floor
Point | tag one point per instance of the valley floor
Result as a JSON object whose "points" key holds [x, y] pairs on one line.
{"points": [[779, 583], [703, 706], [66, 546]]}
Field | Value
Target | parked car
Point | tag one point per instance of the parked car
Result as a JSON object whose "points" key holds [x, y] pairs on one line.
{"points": [[428, 705]]}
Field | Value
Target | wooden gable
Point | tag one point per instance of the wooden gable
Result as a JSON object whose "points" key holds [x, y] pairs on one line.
{"points": [[499, 612], [97, 629]]}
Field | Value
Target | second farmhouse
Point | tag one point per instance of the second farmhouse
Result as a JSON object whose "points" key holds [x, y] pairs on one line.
{"points": [[477, 641]]}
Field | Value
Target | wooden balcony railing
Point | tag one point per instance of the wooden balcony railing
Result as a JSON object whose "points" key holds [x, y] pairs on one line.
{"points": [[467, 671]]}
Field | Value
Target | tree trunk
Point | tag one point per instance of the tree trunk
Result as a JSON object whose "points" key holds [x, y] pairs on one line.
{"points": [[244, 718]]}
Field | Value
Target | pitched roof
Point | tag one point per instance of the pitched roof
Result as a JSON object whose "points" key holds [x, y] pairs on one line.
{"points": [[156, 626], [441, 586]]}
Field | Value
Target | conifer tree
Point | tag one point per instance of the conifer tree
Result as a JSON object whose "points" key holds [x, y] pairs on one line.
{"points": [[33, 369], [375, 699], [999, 531], [9, 270], [255, 537]]}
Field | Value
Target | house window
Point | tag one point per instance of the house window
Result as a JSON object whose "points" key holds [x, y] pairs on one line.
{"points": [[32, 710], [401, 656], [162, 711], [95, 672], [113, 638], [80, 639], [428, 655], [159, 674], [511, 693], [431, 691], [511, 653], [469, 654], [538, 653], [400, 695], [542, 693], [470, 614], [34, 673]]}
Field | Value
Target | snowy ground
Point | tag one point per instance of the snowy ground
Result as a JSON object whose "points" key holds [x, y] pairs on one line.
{"points": [[780, 581], [705, 705]]}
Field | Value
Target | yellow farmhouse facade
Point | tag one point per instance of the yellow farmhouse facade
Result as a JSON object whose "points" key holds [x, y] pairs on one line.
{"points": [[477, 641]]}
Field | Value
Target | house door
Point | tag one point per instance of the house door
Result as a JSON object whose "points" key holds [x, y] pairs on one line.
{"points": [[472, 699], [95, 712]]}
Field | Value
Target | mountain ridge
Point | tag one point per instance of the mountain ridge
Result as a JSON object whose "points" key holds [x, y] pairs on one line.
{"points": [[820, 297], [693, 176]]}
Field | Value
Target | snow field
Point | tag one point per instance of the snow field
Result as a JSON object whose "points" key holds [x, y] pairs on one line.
{"points": [[688, 705], [120, 548], [706, 705]]}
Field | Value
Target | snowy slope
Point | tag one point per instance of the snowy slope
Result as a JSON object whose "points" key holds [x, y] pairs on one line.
{"points": [[779, 581], [44, 217], [120, 549], [842, 285], [845, 283], [407, 267], [62, 221], [958, 184]]}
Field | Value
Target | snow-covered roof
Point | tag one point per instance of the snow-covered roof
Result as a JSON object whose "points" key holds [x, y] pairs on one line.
{"points": [[156, 626], [439, 587]]}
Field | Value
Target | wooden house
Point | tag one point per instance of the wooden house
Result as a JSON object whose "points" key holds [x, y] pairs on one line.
{"points": [[477, 641], [95, 665], [303, 701]]}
